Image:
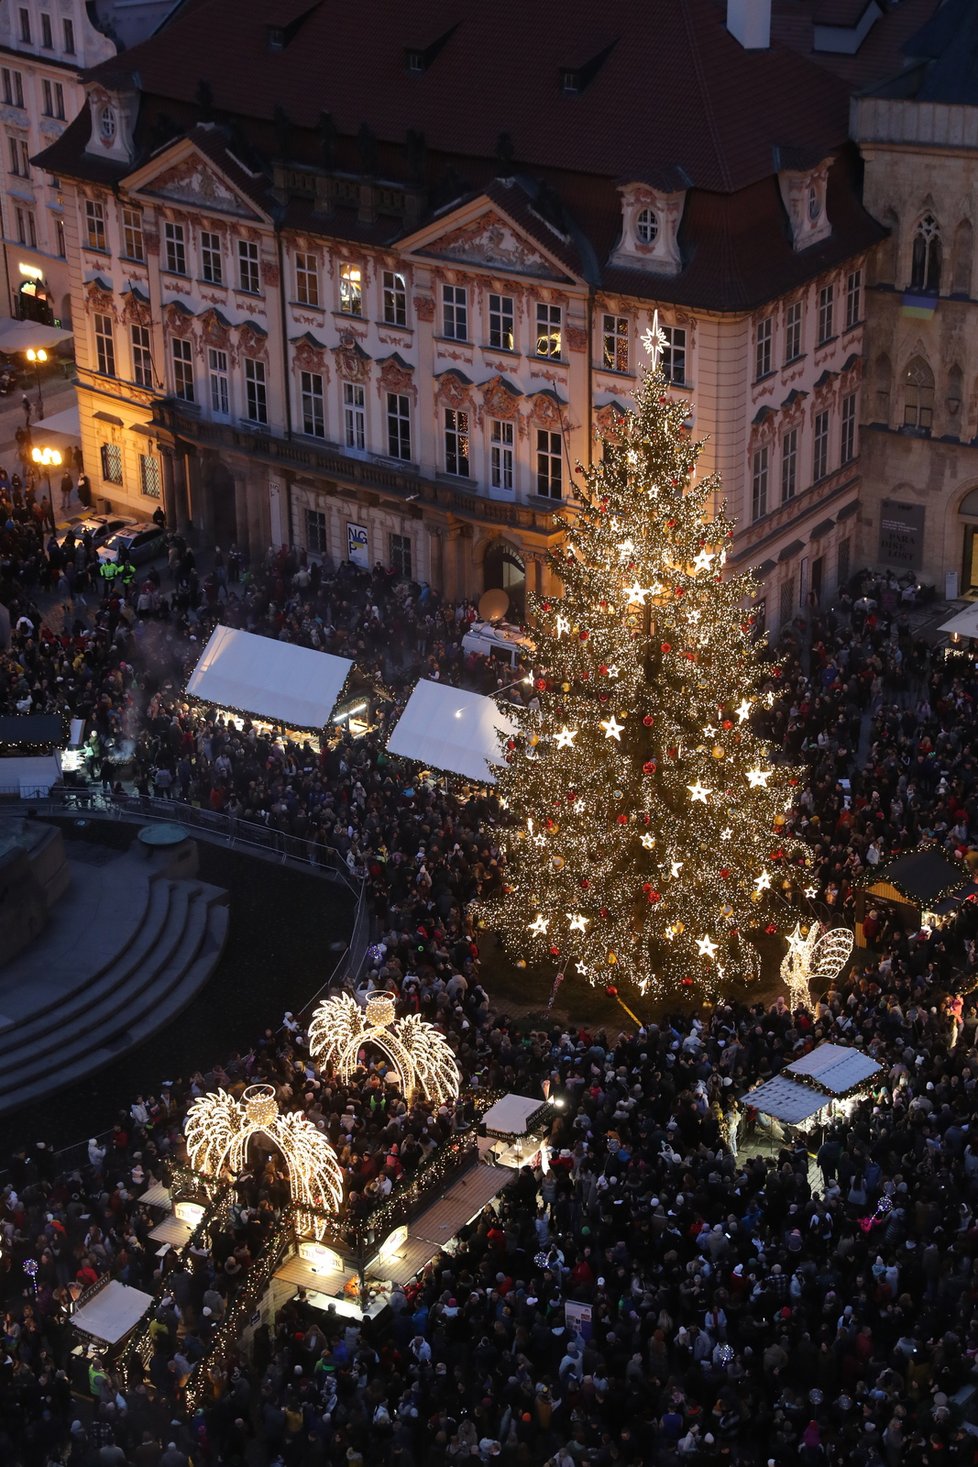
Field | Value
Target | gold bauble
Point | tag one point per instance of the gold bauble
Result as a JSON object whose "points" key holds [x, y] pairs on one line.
{"points": [[565, 687], [612, 959], [521, 962], [623, 714], [779, 821], [755, 896], [534, 740], [680, 927], [718, 751], [558, 862]]}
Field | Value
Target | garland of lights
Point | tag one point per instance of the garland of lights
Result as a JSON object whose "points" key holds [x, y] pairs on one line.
{"points": [[645, 812], [815, 955], [218, 1129], [422, 1057]]}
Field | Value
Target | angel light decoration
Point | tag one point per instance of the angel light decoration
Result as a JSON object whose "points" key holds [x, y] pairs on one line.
{"points": [[421, 1056], [218, 1129], [815, 955]]}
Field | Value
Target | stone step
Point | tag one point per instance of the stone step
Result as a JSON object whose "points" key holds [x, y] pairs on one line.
{"points": [[75, 1006]]}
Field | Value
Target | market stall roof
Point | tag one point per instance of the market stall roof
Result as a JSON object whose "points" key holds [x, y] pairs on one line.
{"points": [[276, 681], [112, 1313], [513, 1115], [835, 1067], [921, 876], [66, 424], [447, 728], [786, 1100], [962, 623], [33, 731], [19, 335]]}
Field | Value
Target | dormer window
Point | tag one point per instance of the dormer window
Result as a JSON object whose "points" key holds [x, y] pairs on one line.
{"points": [[803, 194], [276, 38], [646, 226], [814, 204], [570, 82], [106, 124], [415, 62], [650, 219]]}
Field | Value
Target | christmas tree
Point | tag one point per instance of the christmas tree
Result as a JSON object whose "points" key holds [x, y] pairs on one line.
{"points": [[644, 809]]}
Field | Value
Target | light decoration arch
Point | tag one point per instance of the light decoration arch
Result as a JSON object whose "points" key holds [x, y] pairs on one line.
{"points": [[813, 955], [218, 1129], [421, 1056]]}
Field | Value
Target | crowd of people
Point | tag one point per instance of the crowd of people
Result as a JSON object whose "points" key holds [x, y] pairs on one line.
{"points": [[749, 1297]]}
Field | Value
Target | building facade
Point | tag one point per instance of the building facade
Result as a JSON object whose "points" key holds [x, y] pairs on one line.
{"points": [[919, 137], [292, 333]]}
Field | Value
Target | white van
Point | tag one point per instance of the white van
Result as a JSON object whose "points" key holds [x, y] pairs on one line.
{"points": [[500, 641]]}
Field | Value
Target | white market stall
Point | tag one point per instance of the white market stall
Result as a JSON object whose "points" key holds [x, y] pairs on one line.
{"points": [[449, 729], [818, 1085], [269, 681], [516, 1129], [112, 1313]]}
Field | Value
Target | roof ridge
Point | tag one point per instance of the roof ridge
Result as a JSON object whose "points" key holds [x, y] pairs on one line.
{"points": [[704, 91]]}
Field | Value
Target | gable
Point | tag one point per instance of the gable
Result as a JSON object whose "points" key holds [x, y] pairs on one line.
{"points": [[193, 180], [489, 240]]}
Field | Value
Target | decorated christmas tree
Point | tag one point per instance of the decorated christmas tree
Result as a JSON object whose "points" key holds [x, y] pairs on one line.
{"points": [[643, 846]]}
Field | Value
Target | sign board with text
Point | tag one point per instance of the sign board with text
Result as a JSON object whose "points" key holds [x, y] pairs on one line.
{"points": [[901, 533], [357, 549]]}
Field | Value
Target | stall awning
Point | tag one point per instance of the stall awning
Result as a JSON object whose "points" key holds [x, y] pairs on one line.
{"points": [[963, 623], [19, 335], [835, 1067], [33, 731], [275, 681], [922, 877], [786, 1100], [113, 1312], [67, 423], [449, 729]]}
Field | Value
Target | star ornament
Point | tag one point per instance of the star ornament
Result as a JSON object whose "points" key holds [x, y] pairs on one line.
{"points": [[539, 925], [648, 841], [563, 626], [636, 594], [566, 737], [675, 868], [612, 728], [626, 549], [577, 920], [763, 882], [726, 833], [706, 947], [655, 341], [811, 892], [699, 792], [743, 712], [703, 561], [758, 778]]}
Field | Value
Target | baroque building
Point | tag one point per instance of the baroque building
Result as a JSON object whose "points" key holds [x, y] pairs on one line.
{"points": [[918, 134], [384, 315]]}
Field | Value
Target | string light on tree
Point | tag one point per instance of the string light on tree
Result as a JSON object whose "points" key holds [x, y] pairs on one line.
{"points": [[646, 654]]}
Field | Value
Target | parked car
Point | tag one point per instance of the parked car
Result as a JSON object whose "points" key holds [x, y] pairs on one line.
{"points": [[503, 643], [139, 542], [101, 527]]}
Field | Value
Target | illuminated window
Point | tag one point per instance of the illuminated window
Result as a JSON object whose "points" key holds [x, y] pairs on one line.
{"points": [[395, 298], [351, 290], [457, 443], [501, 322], [614, 343], [111, 456], [548, 330]]}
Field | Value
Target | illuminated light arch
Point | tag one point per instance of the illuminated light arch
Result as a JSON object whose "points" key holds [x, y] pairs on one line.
{"points": [[816, 955], [218, 1129], [421, 1056]]}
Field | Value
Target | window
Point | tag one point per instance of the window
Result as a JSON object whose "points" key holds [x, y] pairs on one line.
{"points": [[925, 265], [820, 446], [219, 381], [455, 312], [256, 393], [133, 247], [183, 369], [59, 226], [20, 162], [106, 124], [844, 553], [674, 355], [789, 465], [313, 404], [501, 454], [398, 425], [47, 35], [351, 290], [249, 278], [826, 298], [549, 464], [849, 428], [548, 330], [786, 600], [142, 360], [111, 456], [758, 484], [762, 354], [457, 443], [647, 226], [792, 332], [24, 221], [104, 345], [315, 532], [211, 258], [854, 291], [149, 476], [175, 249], [53, 104], [395, 298], [354, 416], [400, 556], [25, 26], [307, 279], [13, 87], [501, 332], [69, 37], [918, 396], [614, 344]]}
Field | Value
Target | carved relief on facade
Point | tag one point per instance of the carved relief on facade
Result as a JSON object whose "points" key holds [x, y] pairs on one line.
{"points": [[609, 422], [309, 355], [545, 411], [424, 308], [576, 337], [270, 274], [99, 297], [454, 391], [352, 362], [252, 342], [215, 330], [136, 310], [793, 410], [491, 240], [192, 181], [177, 320], [396, 375], [499, 398], [763, 430]]}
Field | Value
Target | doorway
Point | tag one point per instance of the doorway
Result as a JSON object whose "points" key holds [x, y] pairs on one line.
{"points": [[969, 570], [505, 570]]}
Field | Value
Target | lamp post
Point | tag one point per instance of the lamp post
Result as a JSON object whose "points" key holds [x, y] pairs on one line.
{"points": [[37, 357], [46, 460]]}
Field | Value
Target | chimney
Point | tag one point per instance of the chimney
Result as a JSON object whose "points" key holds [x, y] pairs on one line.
{"points": [[749, 22]]}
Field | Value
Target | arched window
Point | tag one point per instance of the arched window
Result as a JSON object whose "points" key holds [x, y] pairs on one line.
{"points": [[961, 259], [918, 396], [925, 266]]}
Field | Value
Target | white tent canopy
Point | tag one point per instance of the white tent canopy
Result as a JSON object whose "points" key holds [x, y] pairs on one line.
{"points": [[447, 728], [276, 681], [963, 623], [21, 335], [835, 1067], [112, 1312], [67, 423]]}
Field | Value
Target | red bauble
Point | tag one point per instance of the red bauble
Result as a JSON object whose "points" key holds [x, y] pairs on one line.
{"points": [[541, 684], [727, 724], [686, 982], [622, 819], [655, 896], [572, 794], [690, 656], [662, 397], [770, 929], [511, 743], [603, 670], [648, 767], [672, 753], [648, 720], [665, 647], [792, 782], [585, 677], [546, 606], [603, 697], [583, 636], [585, 884], [724, 872], [611, 991], [555, 952], [680, 591], [550, 824], [603, 912], [669, 524]]}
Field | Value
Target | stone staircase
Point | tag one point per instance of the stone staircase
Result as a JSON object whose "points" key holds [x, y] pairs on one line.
{"points": [[98, 982]]}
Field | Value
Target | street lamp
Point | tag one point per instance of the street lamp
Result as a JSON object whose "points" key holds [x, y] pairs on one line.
{"points": [[46, 460], [37, 357]]}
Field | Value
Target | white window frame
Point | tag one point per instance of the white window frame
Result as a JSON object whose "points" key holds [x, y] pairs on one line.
{"points": [[133, 243], [789, 465], [826, 314], [26, 229], [312, 404], [249, 267], [354, 416], [549, 341], [174, 248], [256, 391], [764, 349], [501, 311], [351, 289], [399, 426], [307, 278], [854, 298], [455, 312], [549, 470], [104, 343], [502, 454], [759, 480], [674, 356], [219, 381], [317, 532], [142, 355], [615, 343], [68, 27], [821, 429], [211, 257], [395, 298], [848, 436], [794, 320], [458, 444], [182, 359]]}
